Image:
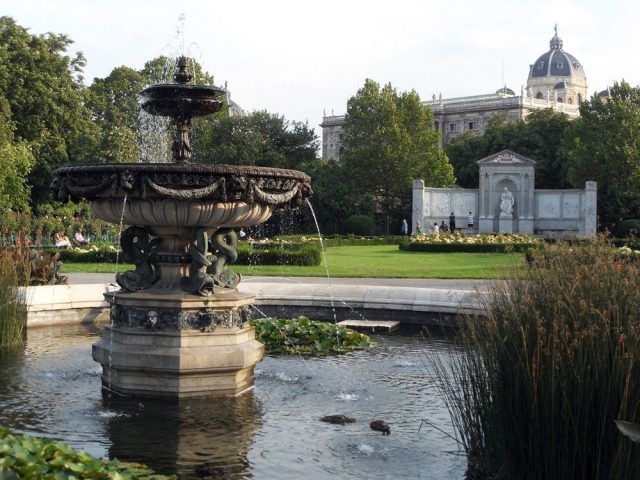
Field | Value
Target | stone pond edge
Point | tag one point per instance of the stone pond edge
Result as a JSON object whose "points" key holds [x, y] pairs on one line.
{"points": [[85, 303]]}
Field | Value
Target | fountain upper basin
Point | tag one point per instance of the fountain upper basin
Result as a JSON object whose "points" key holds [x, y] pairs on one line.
{"points": [[172, 99]]}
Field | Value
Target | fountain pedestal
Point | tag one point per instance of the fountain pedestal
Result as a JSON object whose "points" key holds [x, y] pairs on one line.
{"points": [[177, 345]]}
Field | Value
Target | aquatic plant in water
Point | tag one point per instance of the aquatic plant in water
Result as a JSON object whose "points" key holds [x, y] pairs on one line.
{"points": [[13, 311], [25, 457], [550, 368], [307, 337]]}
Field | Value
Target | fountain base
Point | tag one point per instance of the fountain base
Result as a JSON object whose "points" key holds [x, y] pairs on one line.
{"points": [[176, 345]]}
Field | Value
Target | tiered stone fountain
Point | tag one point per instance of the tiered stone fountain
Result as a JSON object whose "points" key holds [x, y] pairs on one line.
{"points": [[179, 324]]}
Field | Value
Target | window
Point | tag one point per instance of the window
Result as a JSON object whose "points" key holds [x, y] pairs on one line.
{"points": [[579, 98], [472, 125], [436, 125], [452, 127], [560, 99], [560, 64], [539, 95], [569, 100], [540, 65]]}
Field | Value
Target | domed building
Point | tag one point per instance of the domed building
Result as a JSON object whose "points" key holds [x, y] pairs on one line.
{"points": [[556, 80], [557, 75]]}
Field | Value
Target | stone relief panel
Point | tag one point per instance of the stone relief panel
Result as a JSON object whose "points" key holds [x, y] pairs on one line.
{"points": [[571, 205], [463, 203], [548, 205], [427, 204], [440, 206]]}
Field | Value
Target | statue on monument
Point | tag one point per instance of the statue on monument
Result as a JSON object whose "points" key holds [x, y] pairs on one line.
{"points": [[506, 203]]}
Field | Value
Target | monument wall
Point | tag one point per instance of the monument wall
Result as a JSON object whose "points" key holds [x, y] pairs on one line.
{"points": [[434, 205], [507, 202]]}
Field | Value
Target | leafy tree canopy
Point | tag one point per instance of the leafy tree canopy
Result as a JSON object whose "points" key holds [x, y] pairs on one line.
{"points": [[259, 138], [115, 108], [539, 137], [604, 145], [389, 141], [41, 87]]}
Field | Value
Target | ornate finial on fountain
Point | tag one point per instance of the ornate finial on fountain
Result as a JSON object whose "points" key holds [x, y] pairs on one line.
{"points": [[182, 75]]}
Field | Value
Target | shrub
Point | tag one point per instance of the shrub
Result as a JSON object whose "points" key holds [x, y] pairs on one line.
{"points": [[267, 253], [465, 247], [344, 240], [279, 255], [88, 254], [359, 225], [44, 268], [28, 457], [550, 368], [629, 228], [306, 337]]}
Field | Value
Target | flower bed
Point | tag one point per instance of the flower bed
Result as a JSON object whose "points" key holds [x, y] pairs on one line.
{"points": [[456, 242]]}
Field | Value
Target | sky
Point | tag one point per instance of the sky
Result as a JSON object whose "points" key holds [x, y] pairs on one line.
{"points": [[300, 58]]}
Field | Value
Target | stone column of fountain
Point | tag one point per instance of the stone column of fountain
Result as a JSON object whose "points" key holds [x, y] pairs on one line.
{"points": [[179, 324]]}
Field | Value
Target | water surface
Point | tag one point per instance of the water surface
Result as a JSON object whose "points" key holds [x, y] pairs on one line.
{"points": [[53, 389]]}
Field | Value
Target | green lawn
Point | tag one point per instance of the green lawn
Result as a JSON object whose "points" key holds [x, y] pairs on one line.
{"points": [[383, 261]]}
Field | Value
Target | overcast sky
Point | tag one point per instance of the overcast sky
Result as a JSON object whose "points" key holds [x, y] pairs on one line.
{"points": [[297, 58]]}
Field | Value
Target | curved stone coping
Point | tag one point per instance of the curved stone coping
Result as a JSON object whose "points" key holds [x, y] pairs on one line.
{"points": [[414, 299], [60, 304]]}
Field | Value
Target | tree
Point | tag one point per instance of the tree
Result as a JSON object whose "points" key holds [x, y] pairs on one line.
{"points": [[115, 108], [259, 138], [539, 137], [604, 145], [42, 87], [389, 141], [16, 161]]}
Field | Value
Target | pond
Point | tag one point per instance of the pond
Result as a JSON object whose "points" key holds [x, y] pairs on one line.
{"points": [[53, 389]]}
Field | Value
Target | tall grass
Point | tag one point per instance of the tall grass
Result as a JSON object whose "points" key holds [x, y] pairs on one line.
{"points": [[14, 271], [556, 361]]}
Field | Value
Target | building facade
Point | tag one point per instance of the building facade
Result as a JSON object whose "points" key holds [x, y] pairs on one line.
{"points": [[556, 80]]}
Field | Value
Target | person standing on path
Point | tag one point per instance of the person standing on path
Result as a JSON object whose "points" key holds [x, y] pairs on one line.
{"points": [[452, 223], [470, 223], [404, 228]]}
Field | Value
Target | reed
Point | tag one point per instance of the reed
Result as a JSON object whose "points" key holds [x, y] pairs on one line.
{"points": [[551, 368], [14, 271]]}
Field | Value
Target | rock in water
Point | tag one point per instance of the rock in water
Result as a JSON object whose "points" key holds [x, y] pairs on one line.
{"points": [[380, 426], [338, 419]]}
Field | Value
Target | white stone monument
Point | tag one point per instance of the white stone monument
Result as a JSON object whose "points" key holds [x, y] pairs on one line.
{"points": [[507, 202], [506, 211], [506, 193]]}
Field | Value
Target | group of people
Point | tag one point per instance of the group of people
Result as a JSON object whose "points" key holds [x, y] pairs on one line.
{"points": [[442, 228], [61, 240]]}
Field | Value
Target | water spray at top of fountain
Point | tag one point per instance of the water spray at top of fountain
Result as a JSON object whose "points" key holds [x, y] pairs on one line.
{"points": [[182, 101]]}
